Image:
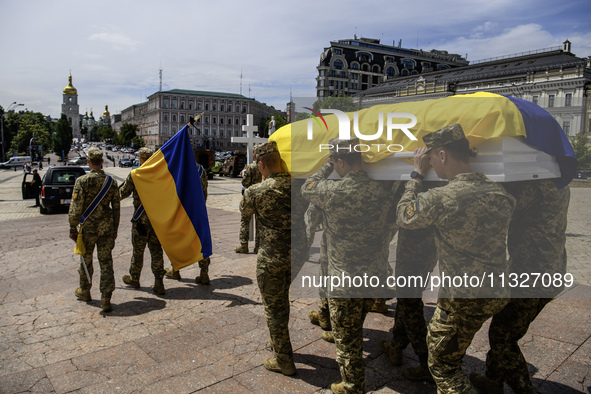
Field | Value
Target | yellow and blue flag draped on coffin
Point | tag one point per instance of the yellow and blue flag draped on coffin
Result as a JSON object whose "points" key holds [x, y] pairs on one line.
{"points": [[169, 187], [482, 115]]}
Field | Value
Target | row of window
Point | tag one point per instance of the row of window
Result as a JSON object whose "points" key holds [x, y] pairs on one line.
{"points": [[214, 119], [214, 106], [568, 99], [234, 132]]}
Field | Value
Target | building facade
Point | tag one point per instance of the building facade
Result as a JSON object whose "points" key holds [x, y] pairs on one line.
{"points": [[354, 65], [554, 78], [222, 117]]}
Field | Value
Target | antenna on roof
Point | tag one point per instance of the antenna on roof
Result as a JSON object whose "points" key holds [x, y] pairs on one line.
{"points": [[160, 72], [355, 35], [241, 81]]}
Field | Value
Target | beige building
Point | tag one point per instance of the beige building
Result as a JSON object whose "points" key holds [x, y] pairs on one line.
{"points": [[223, 115], [554, 78]]}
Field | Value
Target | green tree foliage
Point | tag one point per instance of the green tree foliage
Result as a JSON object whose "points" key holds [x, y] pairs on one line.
{"points": [[106, 133], [343, 103], [138, 142], [582, 151], [26, 124], [127, 133], [62, 139]]}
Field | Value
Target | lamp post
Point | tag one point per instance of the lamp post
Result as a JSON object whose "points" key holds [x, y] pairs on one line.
{"points": [[10, 108]]}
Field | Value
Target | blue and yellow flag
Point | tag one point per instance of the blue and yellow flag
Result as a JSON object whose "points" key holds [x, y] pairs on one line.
{"points": [[170, 189]]}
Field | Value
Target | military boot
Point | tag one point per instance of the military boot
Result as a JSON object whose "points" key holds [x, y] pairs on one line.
{"points": [[158, 286], [338, 388], [106, 304], [171, 273], [394, 355], [419, 373], [328, 336], [241, 249], [129, 281], [84, 295], [203, 277], [487, 385], [317, 318], [379, 306], [286, 367]]}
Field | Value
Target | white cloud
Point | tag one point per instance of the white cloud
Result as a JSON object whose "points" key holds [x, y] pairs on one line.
{"points": [[117, 41]]}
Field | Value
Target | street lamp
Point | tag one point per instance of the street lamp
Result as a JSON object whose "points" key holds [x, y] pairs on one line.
{"points": [[10, 108]]}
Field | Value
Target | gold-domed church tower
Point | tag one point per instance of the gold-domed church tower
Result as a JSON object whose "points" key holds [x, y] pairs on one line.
{"points": [[70, 107]]}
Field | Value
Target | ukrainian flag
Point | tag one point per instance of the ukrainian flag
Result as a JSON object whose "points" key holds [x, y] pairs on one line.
{"points": [[170, 189]]}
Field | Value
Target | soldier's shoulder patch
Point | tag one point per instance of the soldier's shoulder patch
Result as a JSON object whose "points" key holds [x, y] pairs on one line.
{"points": [[312, 185], [75, 194], [411, 210]]}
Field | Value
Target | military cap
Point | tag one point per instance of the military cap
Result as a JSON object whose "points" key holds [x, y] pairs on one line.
{"points": [[95, 154], [340, 147], [266, 148], [444, 136], [145, 153]]}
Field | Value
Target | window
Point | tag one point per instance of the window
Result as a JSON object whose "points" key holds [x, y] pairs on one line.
{"points": [[337, 51], [535, 99], [207, 106], [229, 108], [566, 127], [198, 106], [338, 64], [355, 66], [221, 107], [221, 120], [215, 107], [206, 120], [568, 100], [343, 74], [166, 117], [165, 105], [442, 67], [174, 105], [182, 105], [237, 121], [409, 64], [390, 72], [182, 118], [332, 73], [244, 109], [213, 120], [190, 106], [174, 118], [551, 100]]}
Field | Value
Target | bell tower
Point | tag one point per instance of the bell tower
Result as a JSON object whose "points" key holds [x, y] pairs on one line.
{"points": [[70, 107]]}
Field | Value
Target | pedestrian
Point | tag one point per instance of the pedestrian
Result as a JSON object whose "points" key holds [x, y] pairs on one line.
{"points": [[536, 243], [95, 208], [270, 202], [356, 237], [142, 233], [203, 277], [48, 161], [252, 176], [471, 217], [36, 186]]}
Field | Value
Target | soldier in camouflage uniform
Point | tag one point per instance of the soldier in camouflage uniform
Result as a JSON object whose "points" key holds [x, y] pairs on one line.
{"points": [[354, 223], [142, 233], [100, 228], [203, 276], [252, 176], [536, 242], [471, 217], [270, 202]]}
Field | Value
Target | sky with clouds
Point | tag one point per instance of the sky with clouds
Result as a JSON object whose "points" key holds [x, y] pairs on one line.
{"points": [[114, 49]]}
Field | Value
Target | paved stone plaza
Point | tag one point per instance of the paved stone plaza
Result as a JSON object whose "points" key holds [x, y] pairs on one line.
{"points": [[214, 338]]}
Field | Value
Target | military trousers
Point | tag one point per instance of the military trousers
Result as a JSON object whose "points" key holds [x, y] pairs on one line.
{"points": [[245, 230], [142, 235], [104, 246], [410, 327], [449, 336], [273, 279], [504, 360], [346, 317]]}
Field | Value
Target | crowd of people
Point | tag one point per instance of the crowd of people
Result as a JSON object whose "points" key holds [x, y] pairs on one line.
{"points": [[469, 225]]}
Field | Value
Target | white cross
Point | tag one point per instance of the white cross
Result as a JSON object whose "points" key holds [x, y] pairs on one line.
{"points": [[250, 139]]}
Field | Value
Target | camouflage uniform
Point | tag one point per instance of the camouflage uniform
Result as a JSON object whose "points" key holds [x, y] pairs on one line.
{"points": [[100, 228], [252, 176], [471, 216], [142, 233], [536, 243], [270, 202], [354, 223]]}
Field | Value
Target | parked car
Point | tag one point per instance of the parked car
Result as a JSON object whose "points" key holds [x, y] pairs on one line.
{"points": [[78, 161], [233, 165], [582, 175], [136, 164], [125, 162], [57, 186]]}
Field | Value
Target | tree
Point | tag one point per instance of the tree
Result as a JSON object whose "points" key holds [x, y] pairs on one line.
{"points": [[62, 139], [582, 151], [28, 130], [138, 142], [342, 103], [127, 133], [106, 133]]}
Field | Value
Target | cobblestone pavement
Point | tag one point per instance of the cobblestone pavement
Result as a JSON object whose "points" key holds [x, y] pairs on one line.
{"points": [[214, 338]]}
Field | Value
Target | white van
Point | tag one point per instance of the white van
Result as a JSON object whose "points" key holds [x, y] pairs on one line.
{"points": [[16, 161]]}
